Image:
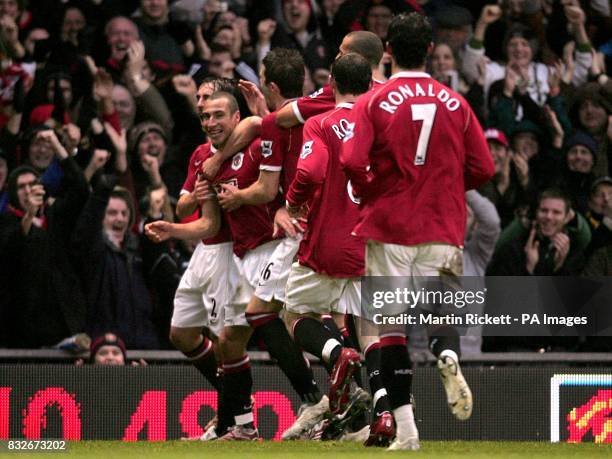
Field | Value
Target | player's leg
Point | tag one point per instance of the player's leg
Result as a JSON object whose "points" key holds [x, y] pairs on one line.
{"points": [[238, 382], [262, 314], [237, 377], [440, 266], [396, 367], [308, 296]]}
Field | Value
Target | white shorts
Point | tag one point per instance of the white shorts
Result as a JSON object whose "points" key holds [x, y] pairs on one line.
{"points": [[273, 277], [249, 267], [207, 288], [415, 266], [415, 261], [311, 292]]}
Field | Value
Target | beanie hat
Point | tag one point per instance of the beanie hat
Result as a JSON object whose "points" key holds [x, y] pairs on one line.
{"points": [[584, 139], [142, 129], [107, 339]]}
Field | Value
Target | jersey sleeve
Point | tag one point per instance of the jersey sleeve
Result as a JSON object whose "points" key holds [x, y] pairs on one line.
{"points": [[479, 167], [355, 154], [192, 171], [318, 102], [272, 149], [311, 166]]}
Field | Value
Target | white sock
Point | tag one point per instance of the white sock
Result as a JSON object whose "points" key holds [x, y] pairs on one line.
{"points": [[328, 348], [404, 420]]}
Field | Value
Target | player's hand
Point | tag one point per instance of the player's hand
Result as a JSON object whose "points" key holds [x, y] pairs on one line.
{"points": [[201, 189], [254, 98], [532, 250], [561, 241], [210, 168], [159, 231], [283, 222], [229, 198]]}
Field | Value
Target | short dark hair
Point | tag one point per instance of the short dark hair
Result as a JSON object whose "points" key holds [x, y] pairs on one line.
{"points": [[352, 74], [233, 103], [555, 193], [367, 45], [285, 68], [221, 84], [409, 38], [216, 48]]}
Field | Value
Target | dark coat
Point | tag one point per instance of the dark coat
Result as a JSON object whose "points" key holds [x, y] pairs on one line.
{"points": [[41, 300]]}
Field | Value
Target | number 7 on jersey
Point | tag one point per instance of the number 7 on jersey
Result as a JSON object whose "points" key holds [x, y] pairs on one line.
{"points": [[425, 113]]}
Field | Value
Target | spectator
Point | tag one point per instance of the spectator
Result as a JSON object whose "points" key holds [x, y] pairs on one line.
{"points": [[577, 174], [116, 269], [520, 46], [453, 25], [109, 349], [167, 42], [35, 236], [120, 33], [548, 247], [507, 191], [600, 199], [590, 112], [151, 164]]}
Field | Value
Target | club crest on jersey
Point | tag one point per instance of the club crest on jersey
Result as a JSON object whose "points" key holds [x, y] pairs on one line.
{"points": [[266, 148], [237, 161], [306, 149]]}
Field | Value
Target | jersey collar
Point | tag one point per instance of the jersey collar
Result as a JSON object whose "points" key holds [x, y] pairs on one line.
{"points": [[410, 74], [345, 105], [213, 149]]}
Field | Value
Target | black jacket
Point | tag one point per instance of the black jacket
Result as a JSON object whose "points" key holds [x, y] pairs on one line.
{"points": [[41, 299], [115, 280]]}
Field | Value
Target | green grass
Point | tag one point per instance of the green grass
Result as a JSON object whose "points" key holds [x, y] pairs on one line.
{"points": [[322, 450]]}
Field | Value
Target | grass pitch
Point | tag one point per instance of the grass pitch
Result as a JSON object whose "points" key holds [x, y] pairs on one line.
{"points": [[324, 450]]}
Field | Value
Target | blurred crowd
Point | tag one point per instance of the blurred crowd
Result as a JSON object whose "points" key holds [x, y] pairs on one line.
{"points": [[98, 119]]}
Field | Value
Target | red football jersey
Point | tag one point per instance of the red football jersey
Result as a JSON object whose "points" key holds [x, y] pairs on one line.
{"points": [[193, 170], [328, 246], [415, 148], [280, 149], [250, 226], [320, 101]]}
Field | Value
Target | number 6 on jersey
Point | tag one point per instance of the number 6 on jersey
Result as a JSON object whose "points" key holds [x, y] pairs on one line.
{"points": [[425, 113]]}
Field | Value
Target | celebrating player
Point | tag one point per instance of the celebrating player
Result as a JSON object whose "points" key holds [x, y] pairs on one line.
{"points": [[411, 140]]}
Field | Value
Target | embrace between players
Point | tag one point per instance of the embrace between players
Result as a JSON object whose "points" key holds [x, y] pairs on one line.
{"points": [[360, 178]]}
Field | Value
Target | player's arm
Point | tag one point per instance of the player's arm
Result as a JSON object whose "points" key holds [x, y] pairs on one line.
{"points": [[264, 190], [355, 154], [479, 167], [311, 168], [287, 117], [205, 227], [241, 136], [188, 201]]}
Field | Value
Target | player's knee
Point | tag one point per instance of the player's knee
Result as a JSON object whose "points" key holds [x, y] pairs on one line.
{"points": [[184, 340]]}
